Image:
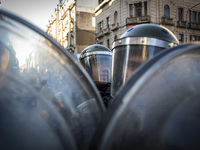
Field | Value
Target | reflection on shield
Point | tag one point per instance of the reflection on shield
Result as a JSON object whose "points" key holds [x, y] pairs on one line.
{"points": [[158, 108]]}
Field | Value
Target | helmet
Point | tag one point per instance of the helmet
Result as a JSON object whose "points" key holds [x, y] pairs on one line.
{"points": [[47, 98], [96, 59], [134, 47], [158, 108]]}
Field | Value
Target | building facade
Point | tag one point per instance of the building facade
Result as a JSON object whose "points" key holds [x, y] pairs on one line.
{"points": [[73, 24], [114, 17]]}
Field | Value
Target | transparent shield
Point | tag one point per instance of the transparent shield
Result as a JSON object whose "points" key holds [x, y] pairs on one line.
{"points": [[126, 59], [160, 109], [27, 121], [52, 72]]}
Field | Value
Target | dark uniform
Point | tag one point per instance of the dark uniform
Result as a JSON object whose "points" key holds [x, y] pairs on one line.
{"points": [[97, 59]]}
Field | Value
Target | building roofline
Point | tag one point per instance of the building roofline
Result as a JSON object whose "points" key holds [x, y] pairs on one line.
{"points": [[101, 5]]}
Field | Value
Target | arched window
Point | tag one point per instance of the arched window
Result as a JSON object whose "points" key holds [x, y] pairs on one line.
{"points": [[115, 17], [167, 11]]}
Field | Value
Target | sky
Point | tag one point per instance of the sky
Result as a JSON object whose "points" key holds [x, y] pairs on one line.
{"points": [[37, 12]]}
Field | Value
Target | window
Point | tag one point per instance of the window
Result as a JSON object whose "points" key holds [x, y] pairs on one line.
{"points": [[115, 38], [108, 43], [100, 26], [180, 14], [115, 17], [138, 9], [181, 38], [108, 22], [194, 16], [199, 18], [93, 22], [194, 38], [166, 11], [131, 10], [145, 8], [71, 42]]}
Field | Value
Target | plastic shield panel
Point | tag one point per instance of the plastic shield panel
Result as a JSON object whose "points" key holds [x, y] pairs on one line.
{"points": [[52, 72], [159, 106]]}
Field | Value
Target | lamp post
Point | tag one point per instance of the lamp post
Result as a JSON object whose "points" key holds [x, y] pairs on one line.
{"points": [[186, 21]]}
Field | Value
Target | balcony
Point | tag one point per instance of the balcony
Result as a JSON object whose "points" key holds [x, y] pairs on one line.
{"points": [[181, 24], [106, 30], [194, 26], [167, 21], [100, 34], [138, 20], [115, 26]]}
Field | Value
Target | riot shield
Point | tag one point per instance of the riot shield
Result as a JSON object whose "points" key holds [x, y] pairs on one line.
{"points": [[52, 72], [158, 108]]}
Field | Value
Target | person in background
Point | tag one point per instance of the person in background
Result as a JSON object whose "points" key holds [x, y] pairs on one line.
{"points": [[97, 59]]}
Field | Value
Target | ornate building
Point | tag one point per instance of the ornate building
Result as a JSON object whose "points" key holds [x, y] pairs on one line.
{"points": [[114, 17], [73, 24]]}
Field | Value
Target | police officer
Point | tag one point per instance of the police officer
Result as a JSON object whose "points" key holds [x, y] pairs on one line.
{"points": [[134, 47], [96, 59], [43, 104]]}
